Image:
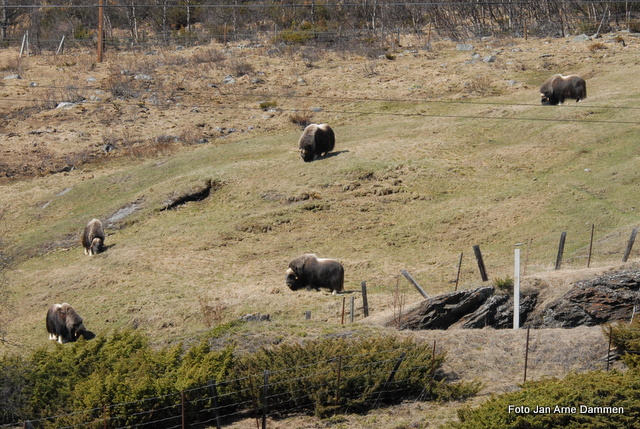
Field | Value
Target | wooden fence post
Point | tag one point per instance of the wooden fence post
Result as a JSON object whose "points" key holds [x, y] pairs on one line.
{"points": [[516, 289], [61, 47], [590, 246], [338, 380], [352, 308], [365, 301], [415, 284], [609, 349], [563, 237], [307, 315], [632, 239], [390, 379], [344, 299], [526, 356], [265, 392], [433, 364], [458, 275], [214, 396], [25, 44], [481, 267], [100, 29], [184, 425]]}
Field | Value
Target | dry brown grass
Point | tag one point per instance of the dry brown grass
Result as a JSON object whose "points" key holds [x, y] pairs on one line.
{"points": [[419, 175]]}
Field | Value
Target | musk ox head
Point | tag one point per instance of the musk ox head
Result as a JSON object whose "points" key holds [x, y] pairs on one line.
{"points": [[93, 238], [293, 280], [558, 88]]}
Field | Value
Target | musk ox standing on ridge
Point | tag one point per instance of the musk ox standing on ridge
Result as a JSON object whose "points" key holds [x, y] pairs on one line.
{"points": [[558, 88], [93, 238], [310, 272], [316, 140], [64, 324]]}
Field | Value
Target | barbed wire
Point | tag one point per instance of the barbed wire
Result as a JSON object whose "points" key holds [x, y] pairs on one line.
{"points": [[278, 400]]}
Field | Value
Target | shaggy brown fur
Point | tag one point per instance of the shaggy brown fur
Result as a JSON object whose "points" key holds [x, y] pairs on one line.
{"points": [[316, 140], [93, 238], [64, 324], [310, 272], [558, 88]]}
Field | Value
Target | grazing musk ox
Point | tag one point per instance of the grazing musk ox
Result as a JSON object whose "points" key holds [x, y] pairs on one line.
{"points": [[310, 272], [558, 88], [64, 324], [316, 140], [93, 237]]}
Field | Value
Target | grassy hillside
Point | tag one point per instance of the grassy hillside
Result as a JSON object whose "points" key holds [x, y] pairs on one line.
{"points": [[433, 155]]}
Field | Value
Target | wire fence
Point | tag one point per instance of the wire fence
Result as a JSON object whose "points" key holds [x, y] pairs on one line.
{"points": [[288, 391], [298, 390]]}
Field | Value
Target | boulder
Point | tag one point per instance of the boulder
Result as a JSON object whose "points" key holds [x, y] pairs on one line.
{"points": [[442, 311], [608, 298], [604, 299]]}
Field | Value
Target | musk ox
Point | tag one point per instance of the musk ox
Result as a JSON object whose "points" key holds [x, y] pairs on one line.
{"points": [[310, 272], [316, 140], [93, 238], [64, 324], [558, 88]]}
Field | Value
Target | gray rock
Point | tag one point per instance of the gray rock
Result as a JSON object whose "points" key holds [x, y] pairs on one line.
{"points": [[489, 59], [605, 299], [255, 317], [66, 105], [442, 311], [13, 76], [581, 38], [228, 80], [464, 47]]}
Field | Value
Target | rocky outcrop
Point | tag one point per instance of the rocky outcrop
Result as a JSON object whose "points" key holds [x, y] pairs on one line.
{"points": [[442, 311], [475, 308], [497, 311], [604, 299]]}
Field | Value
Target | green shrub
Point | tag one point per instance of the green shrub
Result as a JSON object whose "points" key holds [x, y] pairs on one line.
{"points": [[137, 384], [593, 389], [293, 37], [626, 338], [123, 369], [266, 105], [299, 380], [14, 389], [504, 285]]}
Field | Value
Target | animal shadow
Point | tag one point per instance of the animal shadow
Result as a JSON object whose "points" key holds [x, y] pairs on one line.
{"points": [[332, 154], [88, 335]]}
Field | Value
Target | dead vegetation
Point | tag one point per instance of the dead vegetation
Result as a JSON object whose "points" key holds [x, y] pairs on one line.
{"points": [[419, 175]]}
